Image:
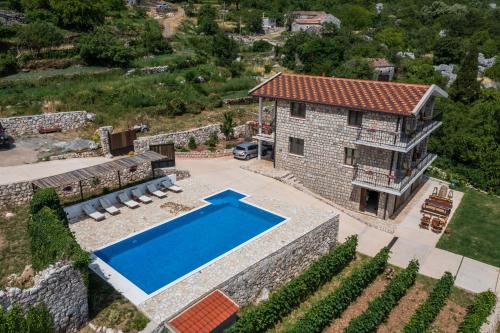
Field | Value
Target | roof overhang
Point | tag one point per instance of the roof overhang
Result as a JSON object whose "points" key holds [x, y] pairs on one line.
{"points": [[263, 83], [433, 90]]}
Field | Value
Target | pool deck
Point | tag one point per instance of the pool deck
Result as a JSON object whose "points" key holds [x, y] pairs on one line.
{"points": [[208, 177]]}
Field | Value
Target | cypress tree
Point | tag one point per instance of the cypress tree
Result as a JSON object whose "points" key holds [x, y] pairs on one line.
{"points": [[466, 88]]}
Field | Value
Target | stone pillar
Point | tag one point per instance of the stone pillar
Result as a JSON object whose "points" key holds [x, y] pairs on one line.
{"points": [[260, 114], [104, 133]]}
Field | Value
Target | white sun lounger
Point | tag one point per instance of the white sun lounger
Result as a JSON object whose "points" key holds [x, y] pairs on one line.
{"points": [[141, 196], [170, 186], [108, 206], [91, 212], [154, 191], [124, 199]]}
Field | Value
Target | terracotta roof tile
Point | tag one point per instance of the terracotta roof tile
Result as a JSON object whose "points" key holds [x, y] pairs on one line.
{"points": [[391, 97], [205, 315]]}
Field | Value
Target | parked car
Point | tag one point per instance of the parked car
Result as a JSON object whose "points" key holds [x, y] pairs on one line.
{"points": [[246, 151]]}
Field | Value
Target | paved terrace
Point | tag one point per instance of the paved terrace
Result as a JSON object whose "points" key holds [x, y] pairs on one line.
{"points": [[208, 177]]}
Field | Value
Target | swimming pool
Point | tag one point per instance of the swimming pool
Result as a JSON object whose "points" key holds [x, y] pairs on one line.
{"points": [[166, 253]]}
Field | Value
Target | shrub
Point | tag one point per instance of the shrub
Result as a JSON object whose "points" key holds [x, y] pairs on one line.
{"points": [[51, 241], [36, 320], [381, 306], [8, 64], [288, 297], [321, 313], [427, 312], [101, 47], [261, 46], [152, 39], [227, 126], [192, 143], [39, 34], [213, 140], [47, 197], [478, 312]]}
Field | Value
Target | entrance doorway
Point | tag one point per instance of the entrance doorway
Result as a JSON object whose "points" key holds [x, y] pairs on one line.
{"points": [[369, 201]]}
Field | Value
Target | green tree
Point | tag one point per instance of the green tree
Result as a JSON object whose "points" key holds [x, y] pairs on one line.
{"points": [[224, 49], [448, 50], [206, 20], [152, 39], [355, 17], [420, 71], [494, 72], [357, 68], [392, 37], [101, 47], [227, 126], [253, 22], [79, 15], [39, 35], [8, 64], [192, 143], [466, 87]]}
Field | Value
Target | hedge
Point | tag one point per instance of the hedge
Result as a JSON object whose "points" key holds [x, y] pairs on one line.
{"points": [[321, 313], [292, 294], [382, 305], [36, 320], [51, 241], [478, 312], [428, 311], [47, 197]]}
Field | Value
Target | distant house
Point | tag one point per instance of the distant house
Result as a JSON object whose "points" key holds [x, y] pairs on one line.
{"points": [[312, 21], [268, 23], [384, 70]]}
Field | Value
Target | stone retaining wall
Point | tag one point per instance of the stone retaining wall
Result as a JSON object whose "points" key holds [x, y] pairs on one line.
{"points": [[28, 125], [81, 154], [15, 194], [204, 154], [62, 289], [201, 135], [280, 266]]}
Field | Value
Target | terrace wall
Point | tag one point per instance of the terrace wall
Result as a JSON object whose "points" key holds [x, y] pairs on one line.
{"points": [[61, 288], [29, 125], [280, 266]]}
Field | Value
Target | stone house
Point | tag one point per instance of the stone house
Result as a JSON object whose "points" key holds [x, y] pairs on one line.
{"points": [[312, 21], [383, 69], [359, 143]]}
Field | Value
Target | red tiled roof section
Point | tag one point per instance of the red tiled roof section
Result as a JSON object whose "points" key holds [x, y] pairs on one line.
{"points": [[205, 315], [391, 97]]}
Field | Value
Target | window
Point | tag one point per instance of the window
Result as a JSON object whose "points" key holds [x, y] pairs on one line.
{"points": [[298, 109], [355, 118], [296, 146], [351, 156]]}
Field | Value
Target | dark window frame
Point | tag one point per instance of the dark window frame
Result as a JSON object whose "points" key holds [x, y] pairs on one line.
{"points": [[293, 144], [355, 118], [351, 156], [298, 110]]}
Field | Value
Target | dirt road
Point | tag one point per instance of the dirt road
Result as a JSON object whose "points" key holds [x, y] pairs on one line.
{"points": [[169, 21]]}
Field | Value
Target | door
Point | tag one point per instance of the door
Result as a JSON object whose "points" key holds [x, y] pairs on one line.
{"points": [[362, 199]]}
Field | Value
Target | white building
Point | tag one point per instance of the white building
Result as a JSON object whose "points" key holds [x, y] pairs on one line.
{"points": [[312, 21]]}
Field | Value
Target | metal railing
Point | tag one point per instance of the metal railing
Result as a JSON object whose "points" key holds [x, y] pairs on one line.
{"points": [[396, 181], [396, 139]]}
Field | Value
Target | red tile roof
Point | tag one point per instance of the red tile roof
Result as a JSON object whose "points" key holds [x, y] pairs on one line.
{"points": [[381, 62], [391, 97], [205, 315]]}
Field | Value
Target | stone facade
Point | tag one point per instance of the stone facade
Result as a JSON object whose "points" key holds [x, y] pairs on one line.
{"points": [[61, 288], [326, 136], [279, 267], [201, 135], [29, 125], [104, 133], [204, 154], [15, 194]]}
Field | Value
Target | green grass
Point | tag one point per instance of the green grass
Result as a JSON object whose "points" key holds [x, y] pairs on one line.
{"points": [[44, 74], [14, 242], [474, 230]]}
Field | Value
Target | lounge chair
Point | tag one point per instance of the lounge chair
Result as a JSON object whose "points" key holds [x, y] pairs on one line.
{"points": [[108, 206], [91, 212], [124, 199], [137, 194], [156, 192], [171, 186]]}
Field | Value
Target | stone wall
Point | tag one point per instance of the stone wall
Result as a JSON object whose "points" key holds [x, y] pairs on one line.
{"points": [[204, 154], [62, 289], [15, 194], [28, 125], [280, 266], [201, 135]]}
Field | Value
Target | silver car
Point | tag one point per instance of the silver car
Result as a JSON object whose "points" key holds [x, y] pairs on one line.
{"points": [[245, 151]]}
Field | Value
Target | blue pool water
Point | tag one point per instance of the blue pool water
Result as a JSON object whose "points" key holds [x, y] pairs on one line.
{"points": [[158, 256]]}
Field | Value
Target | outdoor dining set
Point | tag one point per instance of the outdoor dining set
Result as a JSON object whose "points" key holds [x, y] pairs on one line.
{"points": [[436, 209]]}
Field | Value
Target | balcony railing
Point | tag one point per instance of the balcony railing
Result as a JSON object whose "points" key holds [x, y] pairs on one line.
{"points": [[395, 183], [399, 141]]}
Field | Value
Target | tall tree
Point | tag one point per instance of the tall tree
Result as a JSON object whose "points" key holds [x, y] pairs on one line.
{"points": [[206, 20], [466, 88]]}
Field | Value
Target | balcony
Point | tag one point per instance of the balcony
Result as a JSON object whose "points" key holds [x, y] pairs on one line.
{"points": [[266, 133], [396, 183], [397, 141]]}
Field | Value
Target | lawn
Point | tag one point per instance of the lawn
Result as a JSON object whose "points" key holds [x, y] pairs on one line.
{"points": [[474, 230]]}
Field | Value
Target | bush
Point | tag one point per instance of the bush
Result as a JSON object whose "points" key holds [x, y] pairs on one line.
{"points": [[288, 297], [39, 35], [321, 313], [101, 47], [427, 312], [478, 312], [47, 197], [152, 39], [381, 306], [8, 64], [261, 46], [227, 126], [192, 143], [36, 320], [51, 241], [213, 140]]}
